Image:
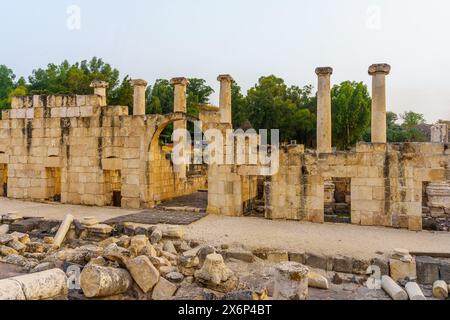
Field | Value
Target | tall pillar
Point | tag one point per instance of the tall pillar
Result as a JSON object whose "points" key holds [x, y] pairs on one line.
{"points": [[225, 98], [378, 127], [324, 110], [100, 89], [180, 105], [139, 86]]}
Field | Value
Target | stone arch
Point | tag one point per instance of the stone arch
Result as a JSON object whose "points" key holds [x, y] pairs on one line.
{"points": [[162, 182]]}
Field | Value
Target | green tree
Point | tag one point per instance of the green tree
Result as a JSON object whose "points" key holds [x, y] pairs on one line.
{"points": [[350, 113], [198, 92], [122, 95], [270, 104], [74, 78], [7, 85], [238, 106], [411, 119], [160, 98]]}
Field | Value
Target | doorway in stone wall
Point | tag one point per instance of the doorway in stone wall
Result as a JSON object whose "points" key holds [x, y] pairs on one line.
{"points": [[253, 196], [337, 200], [113, 188], [3, 180], [53, 192]]}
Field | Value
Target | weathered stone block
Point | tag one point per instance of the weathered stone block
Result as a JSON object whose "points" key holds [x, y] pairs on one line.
{"points": [[427, 270]]}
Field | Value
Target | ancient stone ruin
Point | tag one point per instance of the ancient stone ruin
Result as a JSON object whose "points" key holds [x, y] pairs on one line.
{"points": [[79, 150]]}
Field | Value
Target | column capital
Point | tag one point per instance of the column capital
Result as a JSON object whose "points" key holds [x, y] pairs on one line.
{"points": [[179, 81], [324, 71], [138, 83], [225, 77], [99, 84], [379, 68]]}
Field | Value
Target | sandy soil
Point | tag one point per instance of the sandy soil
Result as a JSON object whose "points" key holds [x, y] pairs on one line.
{"points": [[58, 211], [332, 239]]}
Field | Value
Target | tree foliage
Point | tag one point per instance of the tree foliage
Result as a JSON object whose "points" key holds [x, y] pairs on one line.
{"points": [[351, 107]]}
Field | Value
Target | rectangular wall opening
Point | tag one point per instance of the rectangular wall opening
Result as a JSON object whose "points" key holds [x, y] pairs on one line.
{"points": [[3, 180], [337, 200], [253, 196], [113, 188], [53, 191]]}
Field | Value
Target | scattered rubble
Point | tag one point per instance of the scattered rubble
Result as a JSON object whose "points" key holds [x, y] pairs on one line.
{"points": [[155, 262]]}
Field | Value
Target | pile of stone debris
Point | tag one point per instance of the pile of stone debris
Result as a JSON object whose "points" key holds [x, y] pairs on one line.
{"points": [[89, 260], [84, 261]]}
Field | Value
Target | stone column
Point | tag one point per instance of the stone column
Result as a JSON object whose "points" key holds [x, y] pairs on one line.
{"points": [[100, 89], [139, 86], [379, 73], [324, 110], [225, 98], [180, 105]]}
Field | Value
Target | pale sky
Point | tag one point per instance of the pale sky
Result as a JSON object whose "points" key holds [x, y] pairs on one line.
{"points": [[246, 38]]}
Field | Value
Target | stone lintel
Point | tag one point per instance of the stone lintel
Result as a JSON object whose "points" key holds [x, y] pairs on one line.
{"points": [[379, 68]]}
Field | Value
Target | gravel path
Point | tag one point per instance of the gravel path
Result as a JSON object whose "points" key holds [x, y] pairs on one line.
{"points": [[330, 239]]}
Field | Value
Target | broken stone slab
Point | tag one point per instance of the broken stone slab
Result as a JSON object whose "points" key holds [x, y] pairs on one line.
{"points": [[20, 261], [89, 221], [11, 217], [36, 247], [4, 229], [318, 281], [26, 225], [43, 285], [124, 241], [62, 231], [43, 267], [401, 254], [427, 270], [98, 281], [143, 272], [20, 236], [11, 290], [164, 290], [172, 231], [401, 270], [7, 251], [414, 292], [440, 290], [393, 289], [5, 238], [108, 241], [291, 281], [17, 245], [115, 253]]}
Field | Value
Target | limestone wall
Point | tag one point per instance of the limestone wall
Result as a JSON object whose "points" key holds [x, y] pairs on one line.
{"points": [[71, 144], [386, 182]]}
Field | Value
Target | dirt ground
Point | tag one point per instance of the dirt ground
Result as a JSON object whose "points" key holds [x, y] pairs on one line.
{"points": [[351, 240]]}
